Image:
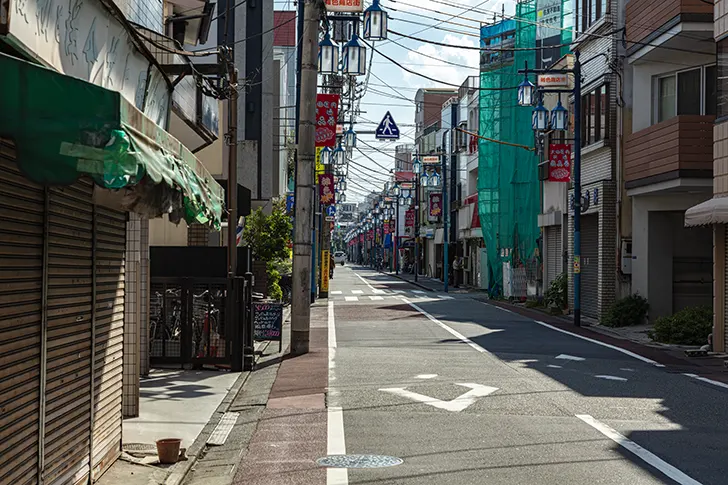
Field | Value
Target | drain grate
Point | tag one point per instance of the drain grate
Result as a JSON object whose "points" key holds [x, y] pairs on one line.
{"points": [[140, 449], [359, 461]]}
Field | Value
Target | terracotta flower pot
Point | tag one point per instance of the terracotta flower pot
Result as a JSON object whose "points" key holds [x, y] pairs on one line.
{"points": [[168, 450]]}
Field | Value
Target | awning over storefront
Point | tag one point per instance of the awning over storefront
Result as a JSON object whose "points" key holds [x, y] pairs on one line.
{"points": [[712, 211], [65, 128]]}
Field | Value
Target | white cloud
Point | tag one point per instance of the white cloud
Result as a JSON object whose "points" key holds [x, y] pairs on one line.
{"points": [[437, 62]]}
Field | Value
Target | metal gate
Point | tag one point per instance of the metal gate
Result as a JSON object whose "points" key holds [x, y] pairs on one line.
{"points": [[590, 265], [187, 321], [553, 254]]}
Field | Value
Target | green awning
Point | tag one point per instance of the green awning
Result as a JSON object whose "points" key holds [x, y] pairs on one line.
{"points": [[65, 128]]}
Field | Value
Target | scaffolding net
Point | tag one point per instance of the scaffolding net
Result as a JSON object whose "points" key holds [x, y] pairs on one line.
{"points": [[508, 185]]}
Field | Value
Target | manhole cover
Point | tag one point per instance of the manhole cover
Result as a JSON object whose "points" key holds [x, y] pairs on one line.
{"points": [[359, 461]]}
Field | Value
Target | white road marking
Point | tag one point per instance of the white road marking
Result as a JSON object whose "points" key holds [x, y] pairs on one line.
{"points": [[426, 376], [570, 357], [455, 333], [554, 366], [611, 378], [709, 381], [627, 369], [502, 309], [648, 457], [376, 298], [336, 292], [335, 442], [456, 405], [445, 297], [351, 298], [357, 292], [603, 344], [365, 281], [377, 290], [418, 291]]}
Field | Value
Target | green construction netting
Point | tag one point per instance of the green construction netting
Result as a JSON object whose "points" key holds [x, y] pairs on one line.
{"points": [[64, 128], [508, 185]]}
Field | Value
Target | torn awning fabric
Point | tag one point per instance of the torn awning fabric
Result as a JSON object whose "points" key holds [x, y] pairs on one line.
{"points": [[65, 128]]}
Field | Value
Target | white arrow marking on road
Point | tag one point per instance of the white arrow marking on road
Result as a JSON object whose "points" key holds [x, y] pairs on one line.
{"points": [[456, 405], [611, 378], [426, 376], [570, 357], [554, 366]]}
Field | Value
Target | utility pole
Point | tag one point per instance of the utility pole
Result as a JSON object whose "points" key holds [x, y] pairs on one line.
{"points": [[302, 268], [445, 210], [232, 182]]}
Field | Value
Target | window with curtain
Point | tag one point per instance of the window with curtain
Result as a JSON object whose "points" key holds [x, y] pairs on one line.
{"points": [[689, 92], [589, 12]]}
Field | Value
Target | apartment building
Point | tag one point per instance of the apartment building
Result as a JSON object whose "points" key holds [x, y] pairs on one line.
{"points": [[668, 150]]}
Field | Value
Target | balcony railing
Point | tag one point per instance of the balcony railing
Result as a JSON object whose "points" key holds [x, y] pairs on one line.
{"points": [[679, 147], [643, 17]]}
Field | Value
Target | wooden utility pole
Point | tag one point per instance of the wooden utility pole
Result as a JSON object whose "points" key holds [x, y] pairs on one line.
{"points": [[232, 182], [306, 153]]}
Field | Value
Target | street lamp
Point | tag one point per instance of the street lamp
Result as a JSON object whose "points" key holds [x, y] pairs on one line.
{"points": [[525, 91], [350, 137], [396, 190], [342, 197], [355, 57], [326, 156], [424, 180], [559, 117], [540, 118], [434, 180], [417, 166], [339, 155], [328, 56], [375, 22]]}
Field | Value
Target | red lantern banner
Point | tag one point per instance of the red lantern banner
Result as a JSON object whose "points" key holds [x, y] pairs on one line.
{"points": [[409, 218], [326, 189], [559, 162], [435, 204], [327, 114]]}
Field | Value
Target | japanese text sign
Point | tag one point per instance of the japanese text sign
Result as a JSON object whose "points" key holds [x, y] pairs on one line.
{"points": [[409, 218], [327, 114], [344, 5], [435, 204], [559, 162], [554, 80], [326, 189]]}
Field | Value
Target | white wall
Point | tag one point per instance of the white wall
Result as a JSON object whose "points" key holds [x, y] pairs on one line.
{"points": [[164, 233]]}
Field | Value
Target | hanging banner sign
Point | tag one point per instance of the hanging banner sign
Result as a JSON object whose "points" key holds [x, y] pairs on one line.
{"points": [[344, 6], [559, 162], [409, 218], [430, 160], [326, 189], [320, 167], [325, 261], [327, 113], [435, 204]]}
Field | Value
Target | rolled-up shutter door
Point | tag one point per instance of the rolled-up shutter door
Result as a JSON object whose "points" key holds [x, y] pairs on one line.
{"points": [[109, 337], [70, 296], [21, 281], [553, 253], [725, 311]]}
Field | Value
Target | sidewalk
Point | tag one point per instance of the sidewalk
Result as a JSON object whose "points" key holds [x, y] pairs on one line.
{"points": [[673, 357]]}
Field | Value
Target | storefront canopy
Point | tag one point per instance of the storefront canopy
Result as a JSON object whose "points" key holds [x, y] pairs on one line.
{"points": [[65, 128], [712, 211]]}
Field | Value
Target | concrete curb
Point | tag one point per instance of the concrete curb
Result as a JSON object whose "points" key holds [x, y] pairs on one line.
{"points": [[417, 284]]}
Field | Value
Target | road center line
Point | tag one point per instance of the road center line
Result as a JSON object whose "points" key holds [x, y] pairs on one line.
{"points": [[364, 281], [709, 381], [648, 457], [455, 333], [603, 344], [335, 442]]}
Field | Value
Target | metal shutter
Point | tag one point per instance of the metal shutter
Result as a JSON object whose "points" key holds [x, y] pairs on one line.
{"points": [[590, 265], [21, 281], [553, 254], [70, 296], [109, 337], [725, 313]]}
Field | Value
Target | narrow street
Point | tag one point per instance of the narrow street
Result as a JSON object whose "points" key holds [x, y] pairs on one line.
{"points": [[466, 393]]}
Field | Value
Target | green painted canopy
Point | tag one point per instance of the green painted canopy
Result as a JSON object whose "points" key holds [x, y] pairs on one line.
{"points": [[65, 128]]}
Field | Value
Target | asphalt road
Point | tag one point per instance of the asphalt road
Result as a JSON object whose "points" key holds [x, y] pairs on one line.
{"points": [[467, 393]]}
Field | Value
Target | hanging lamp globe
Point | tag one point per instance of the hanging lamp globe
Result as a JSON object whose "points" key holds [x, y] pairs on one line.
{"points": [[435, 180], [416, 166], [326, 156], [355, 57], [525, 92], [540, 119], [375, 22], [339, 155], [559, 117], [350, 137], [328, 56]]}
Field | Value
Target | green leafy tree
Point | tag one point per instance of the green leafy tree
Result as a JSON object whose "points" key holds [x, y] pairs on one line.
{"points": [[269, 237]]}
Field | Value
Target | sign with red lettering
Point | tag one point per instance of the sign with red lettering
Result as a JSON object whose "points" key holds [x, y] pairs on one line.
{"points": [[327, 114], [409, 218], [553, 80], [559, 162], [343, 5], [435, 204], [326, 189]]}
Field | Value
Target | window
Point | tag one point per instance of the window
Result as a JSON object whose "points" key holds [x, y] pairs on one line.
{"points": [[589, 12], [595, 115], [689, 92], [722, 79]]}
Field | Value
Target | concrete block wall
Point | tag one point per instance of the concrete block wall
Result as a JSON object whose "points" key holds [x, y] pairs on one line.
{"points": [[132, 302], [720, 158]]}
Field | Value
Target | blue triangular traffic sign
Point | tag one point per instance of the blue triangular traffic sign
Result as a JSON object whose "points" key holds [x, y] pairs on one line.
{"points": [[387, 129]]}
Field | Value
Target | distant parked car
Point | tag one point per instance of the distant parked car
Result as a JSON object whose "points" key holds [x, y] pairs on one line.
{"points": [[340, 257]]}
